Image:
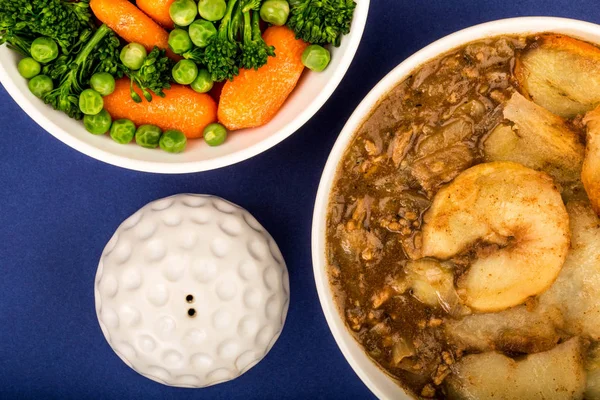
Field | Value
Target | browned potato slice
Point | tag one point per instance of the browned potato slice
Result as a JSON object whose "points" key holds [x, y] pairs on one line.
{"points": [[592, 366], [576, 291], [553, 374], [508, 205], [590, 175], [538, 139], [516, 330], [562, 74]]}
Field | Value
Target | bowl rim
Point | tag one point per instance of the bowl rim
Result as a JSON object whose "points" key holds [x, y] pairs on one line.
{"points": [[519, 25], [354, 39]]}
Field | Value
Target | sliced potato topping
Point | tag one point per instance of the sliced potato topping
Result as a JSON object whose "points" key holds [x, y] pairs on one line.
{"points": [[576, 291], [538, 139], [561, 74], [554, 374], [508, 205], [592, 367], [590, 175], [516, 330]]}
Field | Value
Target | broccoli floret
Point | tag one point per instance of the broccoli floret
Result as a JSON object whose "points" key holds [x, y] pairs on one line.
{"points": [[222, 53], [255, 51], [73, 72], [321, 21], [238, 42], [21, 21], [154, 75], [107, 56]]}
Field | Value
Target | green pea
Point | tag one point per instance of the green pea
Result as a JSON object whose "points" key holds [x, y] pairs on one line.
{"points": [[201, 31], [44, 50], [122, 131], [316, 58], [184, 72], [173, 141], [133, 56], [179, 41], [40, 85], [275, 12], [183, 12], [212, 10], [148, 136], [28, 68], [215, 134], [203, 82], [103, 83], [97, 124], [90, 102]]}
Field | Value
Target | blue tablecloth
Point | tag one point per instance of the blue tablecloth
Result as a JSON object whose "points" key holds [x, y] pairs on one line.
{"points": [[58, 208]]}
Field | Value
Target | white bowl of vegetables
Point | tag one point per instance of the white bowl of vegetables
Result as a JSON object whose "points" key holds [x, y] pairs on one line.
{"points": [[140, 91]]}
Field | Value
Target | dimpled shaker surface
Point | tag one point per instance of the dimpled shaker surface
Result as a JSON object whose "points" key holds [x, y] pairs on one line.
{"points": [[191, 291]]}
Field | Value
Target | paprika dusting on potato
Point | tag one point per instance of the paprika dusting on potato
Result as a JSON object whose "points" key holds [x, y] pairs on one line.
{"points": [[181, 108], [254, 97]]}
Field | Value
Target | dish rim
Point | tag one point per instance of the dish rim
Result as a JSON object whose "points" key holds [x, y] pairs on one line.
{"points": [[375, 378]]}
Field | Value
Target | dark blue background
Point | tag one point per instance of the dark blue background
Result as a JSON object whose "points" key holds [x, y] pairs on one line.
{"points": [[58, 208]]}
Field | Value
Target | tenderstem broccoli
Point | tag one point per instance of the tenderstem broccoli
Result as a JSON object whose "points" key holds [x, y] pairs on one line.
{"points": [[255, 51], [321, 21], [67, 22], [154, 75], [222, 53], [73, 72]]}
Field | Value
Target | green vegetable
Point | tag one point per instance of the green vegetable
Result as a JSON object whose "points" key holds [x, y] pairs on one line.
{"points": [[40, 85], [66, 22], [316, 58], [321, 21], [203, 82], [103, 83], [28, 67], [255, 51], [154, 75], [90, 102], [212, 10], [215, 134], [275, 12], [148, 136], [122, 131], [44, 50], [238, 42], [201, 31], [183, 12], [184, 72], [179, 41], [221, 54], [98, 124], [107, 56], [98, 54], [133, 56], [173, 141]]}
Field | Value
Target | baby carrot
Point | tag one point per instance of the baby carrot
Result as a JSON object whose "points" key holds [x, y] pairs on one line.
{"points": [[131, 23], [253, 98], [158, 10], [181, 109]]}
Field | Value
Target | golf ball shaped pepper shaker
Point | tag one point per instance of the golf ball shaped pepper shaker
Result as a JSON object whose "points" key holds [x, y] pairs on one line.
{"points": [[191, 291]]}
